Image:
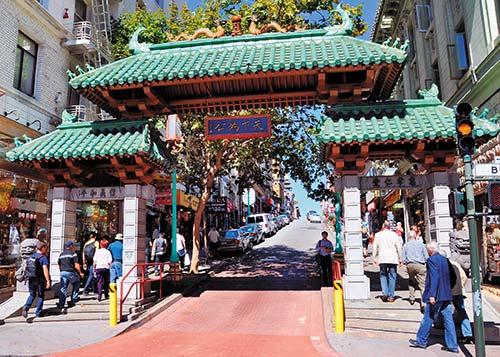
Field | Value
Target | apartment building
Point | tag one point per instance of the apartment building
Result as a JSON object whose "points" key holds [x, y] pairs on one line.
{"points": [[452, 43]]}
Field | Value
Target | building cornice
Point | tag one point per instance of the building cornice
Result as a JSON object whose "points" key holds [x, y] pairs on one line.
{"points": [[38, 11]]}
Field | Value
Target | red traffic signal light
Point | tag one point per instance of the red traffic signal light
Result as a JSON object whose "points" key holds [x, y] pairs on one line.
{"points": [[465, 129]]}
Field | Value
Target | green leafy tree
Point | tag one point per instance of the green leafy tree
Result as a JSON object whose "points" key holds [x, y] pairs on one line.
{"points": [[291, 148]]}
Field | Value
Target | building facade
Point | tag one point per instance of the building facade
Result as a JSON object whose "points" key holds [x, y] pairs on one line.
{"points": [[453, 44]]}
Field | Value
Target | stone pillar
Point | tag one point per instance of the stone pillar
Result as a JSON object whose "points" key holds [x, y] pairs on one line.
{"points": [[356, 284], [63, 226], [134, 233], [440, 221]]}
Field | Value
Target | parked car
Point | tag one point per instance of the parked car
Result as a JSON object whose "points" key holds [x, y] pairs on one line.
{"points": [[310, 213], [315, 218], [265, 220], [234, 240], [285, 218], [254, 232], [278, 222]]}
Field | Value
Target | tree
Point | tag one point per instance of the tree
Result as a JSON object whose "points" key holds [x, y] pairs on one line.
{"points": [[291, 148]]}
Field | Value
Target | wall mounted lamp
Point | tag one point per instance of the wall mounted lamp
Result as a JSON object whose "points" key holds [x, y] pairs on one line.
{"points": [[33, 122]]}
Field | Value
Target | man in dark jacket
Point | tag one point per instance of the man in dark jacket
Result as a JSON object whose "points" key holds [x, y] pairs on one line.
{"points": [[438, 298]]}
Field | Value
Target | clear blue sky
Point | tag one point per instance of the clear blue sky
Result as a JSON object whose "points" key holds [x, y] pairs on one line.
{"points": [[370, 7]]}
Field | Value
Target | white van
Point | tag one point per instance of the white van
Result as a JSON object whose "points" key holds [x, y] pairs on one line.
{"points": [[266, 222]]}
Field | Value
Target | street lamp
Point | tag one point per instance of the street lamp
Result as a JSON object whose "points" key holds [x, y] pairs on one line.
{"points": [[174, 136]]}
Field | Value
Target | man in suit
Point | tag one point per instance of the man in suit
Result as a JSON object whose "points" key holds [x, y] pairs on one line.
{"points": [[438, 298]]}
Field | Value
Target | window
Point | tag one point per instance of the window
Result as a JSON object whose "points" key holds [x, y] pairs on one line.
{"points": [[80, 11], [44, 3], [462, 54], [26, 55], [424, 17]]}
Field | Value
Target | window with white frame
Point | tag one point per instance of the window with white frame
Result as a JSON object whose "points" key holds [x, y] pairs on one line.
{"points": [[424, 17], [461, 47], [25, 70]]}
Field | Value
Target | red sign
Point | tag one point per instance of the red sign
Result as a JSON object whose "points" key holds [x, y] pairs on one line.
{"points": [[238, 127]]}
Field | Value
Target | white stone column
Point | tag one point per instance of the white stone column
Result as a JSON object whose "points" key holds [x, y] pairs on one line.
{"points": [[134, 233], [63, 227], [356, 284], [440, 221]]}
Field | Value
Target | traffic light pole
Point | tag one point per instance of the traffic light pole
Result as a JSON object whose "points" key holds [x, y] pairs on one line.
{"points": [[474, 256]]}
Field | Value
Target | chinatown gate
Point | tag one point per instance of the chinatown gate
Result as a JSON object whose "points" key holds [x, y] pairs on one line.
{"points": [[259, 70]]}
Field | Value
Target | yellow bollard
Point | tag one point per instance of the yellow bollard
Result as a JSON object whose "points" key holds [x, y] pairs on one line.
{"points": [[113, 320], [338, 306]]}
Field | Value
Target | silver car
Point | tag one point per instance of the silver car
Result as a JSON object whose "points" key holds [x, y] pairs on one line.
{"points": [[234, 240]]}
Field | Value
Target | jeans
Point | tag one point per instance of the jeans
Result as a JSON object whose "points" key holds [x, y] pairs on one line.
{"points": [[102, 283], [326, 270], [159, 259], [36, 287], [458, 302], [68, 277], [444, 309], [90, 279], [388, 279], [115, 271]]}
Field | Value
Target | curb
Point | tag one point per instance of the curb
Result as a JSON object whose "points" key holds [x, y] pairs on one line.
{"points": [[491, 289]]}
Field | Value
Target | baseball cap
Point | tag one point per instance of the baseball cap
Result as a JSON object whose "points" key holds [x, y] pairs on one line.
{"points": [[69, 244]]}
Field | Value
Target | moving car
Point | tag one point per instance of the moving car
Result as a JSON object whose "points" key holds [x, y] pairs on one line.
{"points": [[234, 240], [315, 218], [254, 232], [265, 220]]}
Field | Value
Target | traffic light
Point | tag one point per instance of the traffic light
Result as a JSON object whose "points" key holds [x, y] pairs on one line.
{"points": [[458, 205], [465, 129], [493, 193]]}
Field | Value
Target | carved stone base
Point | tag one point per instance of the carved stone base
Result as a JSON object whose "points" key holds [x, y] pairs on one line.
{"points": [[174, 273]]}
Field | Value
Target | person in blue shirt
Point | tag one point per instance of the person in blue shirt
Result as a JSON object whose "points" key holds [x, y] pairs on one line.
{"points": [[40, 282], [323, 250], [116, 249], [438, 298]]}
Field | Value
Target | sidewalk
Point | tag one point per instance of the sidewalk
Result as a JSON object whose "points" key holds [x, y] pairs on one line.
{"points": [[82, 325], [375, 328]]}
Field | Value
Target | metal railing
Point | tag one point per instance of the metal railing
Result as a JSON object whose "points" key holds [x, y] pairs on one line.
{"points": [[141, 280], [88, 113], [86, 31]]}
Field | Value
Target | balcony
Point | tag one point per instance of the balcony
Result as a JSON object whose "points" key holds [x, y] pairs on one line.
{"points": [[87, 39], [85, 113]]}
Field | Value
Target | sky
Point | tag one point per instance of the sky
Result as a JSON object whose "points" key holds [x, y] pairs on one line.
{"points": [[369, 10]]}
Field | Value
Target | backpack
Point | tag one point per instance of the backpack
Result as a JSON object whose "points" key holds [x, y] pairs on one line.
{"points": [[28, 268], [161, 246], [89, 251]]}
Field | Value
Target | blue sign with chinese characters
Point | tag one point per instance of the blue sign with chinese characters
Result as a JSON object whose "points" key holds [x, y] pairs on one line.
{"points": [[238, 127]]}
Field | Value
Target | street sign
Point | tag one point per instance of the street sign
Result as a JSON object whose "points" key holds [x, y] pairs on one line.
{"points": [[486, 170]]}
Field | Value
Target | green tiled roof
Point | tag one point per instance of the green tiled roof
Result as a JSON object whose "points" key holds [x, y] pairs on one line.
{"points": [[239, 54], [402, 120], [81, 140]]}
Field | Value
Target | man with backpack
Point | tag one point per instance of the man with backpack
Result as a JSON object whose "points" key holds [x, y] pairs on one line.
{"points": [[159, 251], [89, 249], [37, 275]]}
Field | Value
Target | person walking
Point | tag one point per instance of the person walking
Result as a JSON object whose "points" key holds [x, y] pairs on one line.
{"points": [[181, 248], [387, 255], [414, 257], [89, 249], [324, 248], [38, 264], [116, 249], [458, 300], [159, 251], [214, 238], [365, 239], [438, 298], [70, 274], [102, 263]]}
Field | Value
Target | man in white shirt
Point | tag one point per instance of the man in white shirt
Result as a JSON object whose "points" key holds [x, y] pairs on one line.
{"points": [[387, 255], [214, 238]]}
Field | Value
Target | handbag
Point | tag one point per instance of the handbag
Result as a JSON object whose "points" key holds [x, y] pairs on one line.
{"points": [[181, 252]]}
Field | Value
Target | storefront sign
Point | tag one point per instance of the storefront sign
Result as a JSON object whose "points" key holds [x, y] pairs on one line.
{"points": [[238, 127], [369, 183], [216, 205], [97, 193]]}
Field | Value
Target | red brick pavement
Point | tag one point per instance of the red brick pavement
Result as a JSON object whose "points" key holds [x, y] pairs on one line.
{"points": [[227, 323]]}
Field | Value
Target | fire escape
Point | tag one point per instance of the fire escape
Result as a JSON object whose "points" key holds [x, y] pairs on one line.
{"points": [[92, 41]]}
